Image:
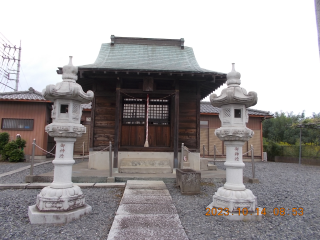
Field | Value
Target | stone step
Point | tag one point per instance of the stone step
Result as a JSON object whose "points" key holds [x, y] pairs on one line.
{"points": [[145, 165], [212, 166]]}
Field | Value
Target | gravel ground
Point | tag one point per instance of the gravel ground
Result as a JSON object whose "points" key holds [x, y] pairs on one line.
{"points": [[14, 221], [8, 166], [281, 185], [19, 177]]}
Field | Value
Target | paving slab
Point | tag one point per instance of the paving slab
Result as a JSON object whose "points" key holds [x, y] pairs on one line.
{"points": [[141, 184], [151, 199], [111, 185], [146, 192], [129, 209], [161, 226]]}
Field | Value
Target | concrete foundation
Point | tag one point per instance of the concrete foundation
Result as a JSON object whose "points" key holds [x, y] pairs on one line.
{"points": [[100, 160]]}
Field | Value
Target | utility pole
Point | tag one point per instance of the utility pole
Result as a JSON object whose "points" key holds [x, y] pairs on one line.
{"points": [[18, 69]]}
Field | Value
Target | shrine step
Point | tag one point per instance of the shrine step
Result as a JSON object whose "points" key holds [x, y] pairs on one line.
{"points": [[145, 165]]}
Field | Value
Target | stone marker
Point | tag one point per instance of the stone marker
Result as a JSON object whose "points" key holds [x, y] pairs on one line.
{"points": [[62, 201], [234, 102]]}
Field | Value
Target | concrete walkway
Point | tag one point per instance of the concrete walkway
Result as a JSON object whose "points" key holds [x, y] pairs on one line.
{"points": [[146, 211]]}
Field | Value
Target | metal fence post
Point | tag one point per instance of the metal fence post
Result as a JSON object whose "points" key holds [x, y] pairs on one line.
{"points": [[203, 151], [214, 154], [110, 159], [300, 149], [252, 160], [32, 159], [181, 158], [82, 151]]}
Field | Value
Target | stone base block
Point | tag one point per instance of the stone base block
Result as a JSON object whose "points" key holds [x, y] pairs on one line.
{"points": [[29, 178], [37, 217], [188, 180], [253, 180], [145, 165], [186, 165], [212, 167], [145, 170], [235, 216], [203, 164], [111, 179]]}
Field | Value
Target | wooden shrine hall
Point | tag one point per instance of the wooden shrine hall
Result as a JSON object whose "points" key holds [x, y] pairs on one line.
{"points": [[146, 90]]}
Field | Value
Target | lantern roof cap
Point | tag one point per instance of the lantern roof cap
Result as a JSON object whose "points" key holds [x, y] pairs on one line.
{"points": [[68, 88], [234, 94]]}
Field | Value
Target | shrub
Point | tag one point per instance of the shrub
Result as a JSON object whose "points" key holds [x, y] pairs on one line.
{"points": [[272, 148], [16, 155], [13, 151], [21, 143], [4, 139]]}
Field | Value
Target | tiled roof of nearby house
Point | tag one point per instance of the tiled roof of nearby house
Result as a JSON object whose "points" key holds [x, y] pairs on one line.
{"points": [[206, 107], [147, 54], [31, 95]]}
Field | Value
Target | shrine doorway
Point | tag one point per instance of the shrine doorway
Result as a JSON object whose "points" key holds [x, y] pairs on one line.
{"points": [[134, 127]]}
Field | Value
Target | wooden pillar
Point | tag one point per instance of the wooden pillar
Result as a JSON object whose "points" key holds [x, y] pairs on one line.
{"points": [[176, 126], [117, 120], [93, 107], [198, 119]]}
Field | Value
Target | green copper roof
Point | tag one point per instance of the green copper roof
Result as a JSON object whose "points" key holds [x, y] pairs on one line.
{"points": [[138, 57]]}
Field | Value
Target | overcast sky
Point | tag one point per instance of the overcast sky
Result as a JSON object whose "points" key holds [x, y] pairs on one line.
{"points": [[273, 42]]}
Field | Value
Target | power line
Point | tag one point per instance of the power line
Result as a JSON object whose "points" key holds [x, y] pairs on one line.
{"points": [[9, 57], [6, 38]]}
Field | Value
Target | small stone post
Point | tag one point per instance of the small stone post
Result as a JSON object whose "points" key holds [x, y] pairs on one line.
{"points": [[62, 201], [32, 158], [110, 159], [234, 102]]}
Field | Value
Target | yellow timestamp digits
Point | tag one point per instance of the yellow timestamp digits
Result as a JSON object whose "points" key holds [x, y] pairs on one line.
{"points": [[283, 212], [225, 212], [245, 212]]}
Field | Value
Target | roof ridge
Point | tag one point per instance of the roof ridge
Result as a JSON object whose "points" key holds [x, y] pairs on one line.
{"points": [[30, 90]]}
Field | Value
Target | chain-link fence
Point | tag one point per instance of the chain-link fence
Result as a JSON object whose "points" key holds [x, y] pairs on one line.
{"points": [[306, 151]]}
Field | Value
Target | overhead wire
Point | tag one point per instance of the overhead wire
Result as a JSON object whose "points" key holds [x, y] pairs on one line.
{"points": [[6, 38], [7, 56]]}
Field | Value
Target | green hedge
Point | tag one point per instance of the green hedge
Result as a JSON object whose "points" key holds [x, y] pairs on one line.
{"points": [[11, 151]]}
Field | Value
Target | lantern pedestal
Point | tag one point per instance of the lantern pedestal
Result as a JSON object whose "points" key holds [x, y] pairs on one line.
{"points": [[234, 196]]}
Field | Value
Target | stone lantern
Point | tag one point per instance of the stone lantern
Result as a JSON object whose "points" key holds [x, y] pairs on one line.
{"points": [[234, 102], [63, 201]]}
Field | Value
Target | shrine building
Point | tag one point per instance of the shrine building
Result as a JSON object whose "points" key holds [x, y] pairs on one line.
{"points": [[133, 78]]}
